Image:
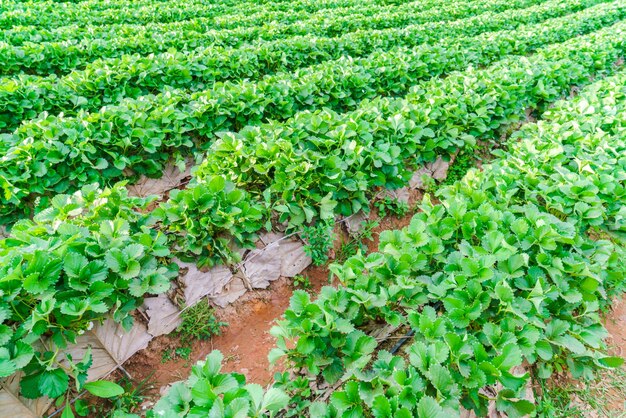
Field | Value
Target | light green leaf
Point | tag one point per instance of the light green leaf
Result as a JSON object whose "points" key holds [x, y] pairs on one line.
{"points": [[104, 389]]}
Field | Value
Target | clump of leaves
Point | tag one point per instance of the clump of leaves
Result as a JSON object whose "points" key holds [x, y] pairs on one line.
{"points": [[203, 221], [319, 240], [176, 353], [122, 398], [356, 242], [199, 322], [208, 391], [299, 390], [87, 256], [391, 205], [461, 165], [300, 281]]}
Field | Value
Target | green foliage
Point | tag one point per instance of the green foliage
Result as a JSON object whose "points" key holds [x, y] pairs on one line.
{"points": [[356, 241], [504, 271], [106, 81], [488, 280], [198, 323], [88, 256], [463, 162], [137, 135], [104, 389], [205, 221], [391, 206], [302, 282], [377, 140], [128, 397], [176, 353], [603, 396], [208, 392], [319, 241], [66, 50]]}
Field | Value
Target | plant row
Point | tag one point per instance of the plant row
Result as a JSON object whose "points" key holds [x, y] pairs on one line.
{"points": [[52, 16], [59, 16], [107, 82], [43, 7], [23, 34], [487, 280], [114, 32], [322, 163], [88, 6], [63, 57], [98, 139], [95, 251]]}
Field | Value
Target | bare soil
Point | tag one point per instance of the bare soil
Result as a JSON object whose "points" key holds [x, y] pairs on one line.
{"points": [[616, 325]]}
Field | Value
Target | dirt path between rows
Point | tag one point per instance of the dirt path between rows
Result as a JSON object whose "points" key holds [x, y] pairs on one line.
{"points": [[616, 325]]}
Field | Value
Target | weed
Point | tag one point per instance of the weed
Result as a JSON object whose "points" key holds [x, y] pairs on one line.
{"points": [[356, 241], [391, 205], [166, 356], [177, 353], [319, 240], [118, 406], [302, 282], [199, 322], [461, 165], [604, 396]]}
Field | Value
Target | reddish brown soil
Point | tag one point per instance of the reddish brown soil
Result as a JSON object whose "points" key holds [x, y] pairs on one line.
{"points": [[616, 325], [245, 343]]}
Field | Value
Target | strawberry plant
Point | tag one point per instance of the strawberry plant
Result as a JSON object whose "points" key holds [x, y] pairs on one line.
{"points": [[64, 56], [207, 222], [496, 282], [393, 206], [230, 105], [319, 241], [88, 256], [211, 393], [323, 162]]}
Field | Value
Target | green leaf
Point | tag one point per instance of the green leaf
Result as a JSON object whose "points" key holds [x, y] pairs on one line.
{"points": [[73, 263], [53, 383], [67, 411], [238, 408], [570, 343], [256, 394], [7, 367], [441, 378], [381, 407], [213, 363], [327, 207], [82, 407], [274, 400], [216, 184], [611, 361], [544, 350], [104, 389], [29, 386], [275, 354], [429, 408], [318, 409]]}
